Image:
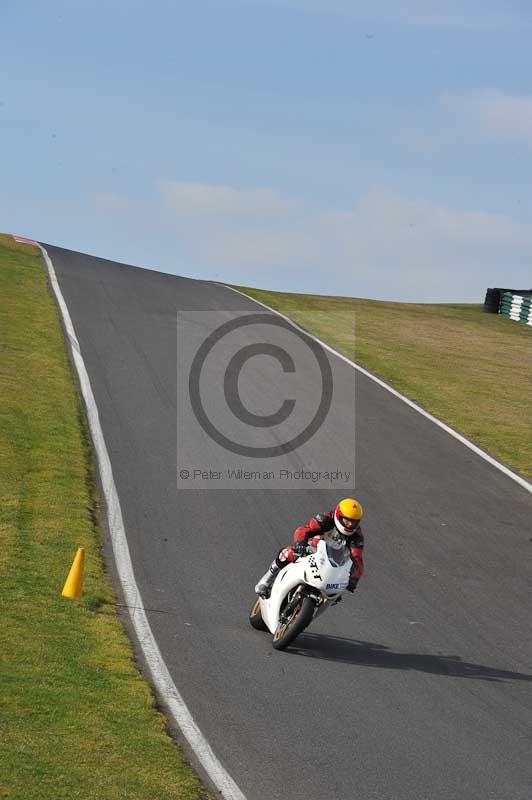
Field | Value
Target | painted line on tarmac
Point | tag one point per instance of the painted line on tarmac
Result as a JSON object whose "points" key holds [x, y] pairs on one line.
{"points": [[493, 461], [159, 671], [23, 240]]}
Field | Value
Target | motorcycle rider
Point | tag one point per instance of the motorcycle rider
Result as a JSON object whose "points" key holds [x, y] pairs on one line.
{"points": [[346, 519]]}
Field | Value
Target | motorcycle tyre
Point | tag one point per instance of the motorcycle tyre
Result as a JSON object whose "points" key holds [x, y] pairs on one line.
{"points": [[255, 617], [296, 626]]}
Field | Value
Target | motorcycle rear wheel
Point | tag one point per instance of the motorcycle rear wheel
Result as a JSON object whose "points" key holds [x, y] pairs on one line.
{"points": [[298, 621], [255, 617]]}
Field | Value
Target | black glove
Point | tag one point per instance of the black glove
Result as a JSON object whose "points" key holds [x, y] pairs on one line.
{"points": [[300, 548], [352, 585]]}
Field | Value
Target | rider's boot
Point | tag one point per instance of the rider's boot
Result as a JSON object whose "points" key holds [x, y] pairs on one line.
{"points": [[264, 586]]}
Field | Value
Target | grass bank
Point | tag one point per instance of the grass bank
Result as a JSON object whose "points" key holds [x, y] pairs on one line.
{"points": [[78, 720], [471, 370]]}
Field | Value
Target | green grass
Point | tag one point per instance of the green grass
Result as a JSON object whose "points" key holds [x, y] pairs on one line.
{"points": [[471, 370], [77, 718]]}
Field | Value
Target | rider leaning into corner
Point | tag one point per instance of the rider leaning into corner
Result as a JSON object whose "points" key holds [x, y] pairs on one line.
{"points": [[346, 519]]}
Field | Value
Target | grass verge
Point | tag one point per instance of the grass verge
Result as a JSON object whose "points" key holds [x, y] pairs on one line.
{"points": [[471, 370], [78, 720]]}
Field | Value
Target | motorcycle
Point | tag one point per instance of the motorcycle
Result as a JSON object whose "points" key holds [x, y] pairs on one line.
{"points": [[302, 591]]}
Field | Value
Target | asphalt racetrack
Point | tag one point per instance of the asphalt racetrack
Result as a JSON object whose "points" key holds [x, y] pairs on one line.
{"points": [[417, 686]]}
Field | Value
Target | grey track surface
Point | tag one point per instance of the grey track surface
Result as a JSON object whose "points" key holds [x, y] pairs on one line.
{"points": [[418, 686]]}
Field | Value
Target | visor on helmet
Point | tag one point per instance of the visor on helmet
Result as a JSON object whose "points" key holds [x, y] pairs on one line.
{"points": [[350, 525]]}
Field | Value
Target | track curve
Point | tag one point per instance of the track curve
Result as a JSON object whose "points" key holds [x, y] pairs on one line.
{"points": [[421, 685]]}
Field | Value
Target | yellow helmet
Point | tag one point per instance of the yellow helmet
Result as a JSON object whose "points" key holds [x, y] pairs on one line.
{"points": [[347, 516]]}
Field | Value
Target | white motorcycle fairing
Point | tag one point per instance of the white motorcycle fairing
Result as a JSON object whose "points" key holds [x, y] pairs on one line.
{"points": [[322, 575]]}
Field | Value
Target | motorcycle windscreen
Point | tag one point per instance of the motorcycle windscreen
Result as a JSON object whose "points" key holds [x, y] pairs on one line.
{"points": [[337, 553]]}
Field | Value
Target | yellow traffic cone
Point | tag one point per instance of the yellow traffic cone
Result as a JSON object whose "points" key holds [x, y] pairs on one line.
{"points": [[73, 587]]}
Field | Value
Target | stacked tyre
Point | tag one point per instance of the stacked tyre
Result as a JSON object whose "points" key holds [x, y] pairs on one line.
{"points": [[494, 297], [491, 301], [517, 307]]}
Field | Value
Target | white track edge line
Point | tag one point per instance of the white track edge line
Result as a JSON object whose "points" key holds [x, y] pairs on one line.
{"points": [[159, 671], [493, 461]]}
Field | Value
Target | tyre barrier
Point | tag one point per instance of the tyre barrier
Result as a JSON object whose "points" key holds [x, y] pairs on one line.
{"points": [[517, 307], [494, 299], [491, 301]]}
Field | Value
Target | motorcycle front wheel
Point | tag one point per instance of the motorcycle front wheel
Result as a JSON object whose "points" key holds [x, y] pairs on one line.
{"points": [[296, 623], [255, 617]]}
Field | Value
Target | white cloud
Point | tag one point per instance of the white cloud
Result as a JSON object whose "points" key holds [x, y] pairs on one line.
{"points": [[201, 199], [110, 202], [395, 234], [386, 246], [506, 115], [258, 248]]}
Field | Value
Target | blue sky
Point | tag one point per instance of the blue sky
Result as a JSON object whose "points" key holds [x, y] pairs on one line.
{"points": [[379, 150]]}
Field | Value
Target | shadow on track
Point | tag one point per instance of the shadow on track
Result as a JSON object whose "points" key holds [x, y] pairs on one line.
{"points": [[370, 654]]}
